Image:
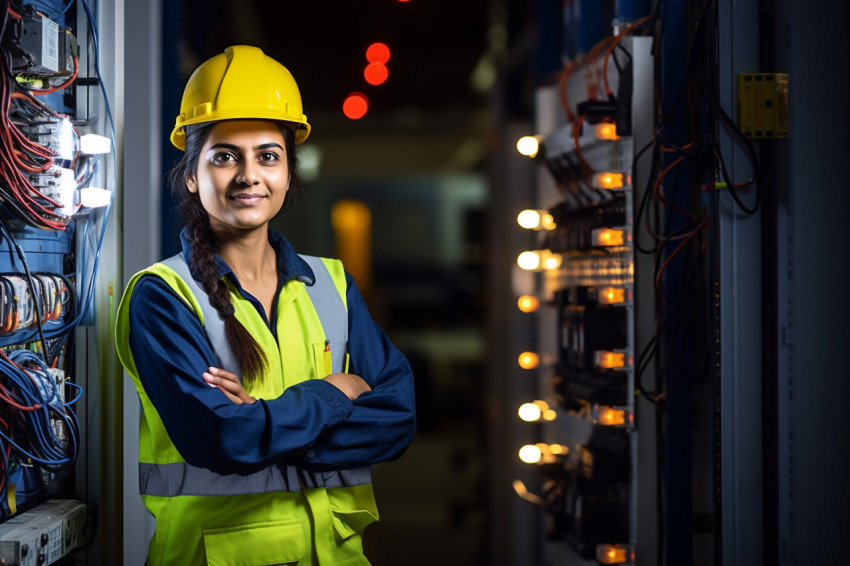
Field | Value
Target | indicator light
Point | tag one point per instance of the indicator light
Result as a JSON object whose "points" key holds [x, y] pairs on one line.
{"points": [[614, 554], [535, 260], [529, 412], [549, 415], [532, 412], [530, 454], [611, 296], [378, 53], [612, 416], [528, 145], [355, 106], [529, 261], [376, 73], [528, 360], [607, 359], [528, 303], [93, 144], [93, 197], [608, 237], [535, 220], [558, 449], [552, 261], [607, 180], [528, 219], [606, 131]]}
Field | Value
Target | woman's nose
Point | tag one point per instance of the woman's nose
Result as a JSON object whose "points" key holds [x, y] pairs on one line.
{"points": [[247, 173]]}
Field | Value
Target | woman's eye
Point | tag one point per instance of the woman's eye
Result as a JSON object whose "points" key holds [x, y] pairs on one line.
{"points": [[224, 157], [268, 157]]}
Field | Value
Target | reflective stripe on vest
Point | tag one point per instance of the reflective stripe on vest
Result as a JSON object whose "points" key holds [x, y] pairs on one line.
{"points": [[322, 292], [171, 480]]}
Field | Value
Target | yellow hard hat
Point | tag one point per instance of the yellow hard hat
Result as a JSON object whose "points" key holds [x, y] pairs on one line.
{"points": [[241, 83]]}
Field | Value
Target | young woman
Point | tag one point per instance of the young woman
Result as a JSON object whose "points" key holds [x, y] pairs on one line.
{"points": [[267, 390]]}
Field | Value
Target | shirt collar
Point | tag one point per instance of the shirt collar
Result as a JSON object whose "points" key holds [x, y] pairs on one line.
{"points": [[289, 263]]}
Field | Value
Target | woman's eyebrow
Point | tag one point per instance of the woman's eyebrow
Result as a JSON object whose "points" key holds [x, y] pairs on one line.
{"points": [[223, 145], [269, 146], [230, 146]]}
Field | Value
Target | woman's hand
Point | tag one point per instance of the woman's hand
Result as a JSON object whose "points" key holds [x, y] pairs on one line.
{"points": [[229, 384], [352, 385]]}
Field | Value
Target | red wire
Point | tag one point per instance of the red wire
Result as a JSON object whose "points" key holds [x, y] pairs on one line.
{"points": [[660, 196], [66, 84], [14, 14], [666, 263]]}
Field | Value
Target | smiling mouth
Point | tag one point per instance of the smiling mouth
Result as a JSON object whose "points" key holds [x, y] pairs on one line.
{"points": [[247, 199]]}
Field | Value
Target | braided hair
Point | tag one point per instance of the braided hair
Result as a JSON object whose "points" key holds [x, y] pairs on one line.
{"points": [[250, 357]]}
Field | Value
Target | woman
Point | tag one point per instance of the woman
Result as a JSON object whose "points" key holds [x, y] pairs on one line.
{"points": [[266, 388]]}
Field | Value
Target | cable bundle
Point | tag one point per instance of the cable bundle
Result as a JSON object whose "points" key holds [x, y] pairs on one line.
{"points": [[35, 420]]}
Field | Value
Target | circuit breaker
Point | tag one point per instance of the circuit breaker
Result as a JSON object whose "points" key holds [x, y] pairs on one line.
{"points": [[55, 181], [589, 144]]}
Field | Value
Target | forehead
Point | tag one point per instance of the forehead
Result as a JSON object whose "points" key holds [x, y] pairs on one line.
{"points": [[247, 133]]}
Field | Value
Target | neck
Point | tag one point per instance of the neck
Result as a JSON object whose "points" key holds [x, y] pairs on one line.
{"points": [[249, 255]]}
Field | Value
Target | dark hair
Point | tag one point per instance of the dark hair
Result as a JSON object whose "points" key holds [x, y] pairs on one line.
{"points": [[250, 357]]}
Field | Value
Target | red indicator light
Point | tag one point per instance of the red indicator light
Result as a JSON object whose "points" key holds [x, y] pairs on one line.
{"points": [[355, 106], [376, 73], [378, 53]]}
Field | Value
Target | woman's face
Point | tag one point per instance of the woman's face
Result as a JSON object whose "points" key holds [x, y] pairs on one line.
{"points": [[242, 175]]}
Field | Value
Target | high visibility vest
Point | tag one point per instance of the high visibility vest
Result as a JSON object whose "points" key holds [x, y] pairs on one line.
{"points": [[281, 514]]}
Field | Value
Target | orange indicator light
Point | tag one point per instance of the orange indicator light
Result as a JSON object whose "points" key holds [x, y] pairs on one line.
{"points": [[608, 180]]}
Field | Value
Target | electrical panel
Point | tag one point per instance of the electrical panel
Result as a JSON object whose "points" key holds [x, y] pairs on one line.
{"points": [[55, 196], [585, 280]]}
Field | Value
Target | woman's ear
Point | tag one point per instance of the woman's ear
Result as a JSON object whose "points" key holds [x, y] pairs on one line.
{"points": [[192, 184]]}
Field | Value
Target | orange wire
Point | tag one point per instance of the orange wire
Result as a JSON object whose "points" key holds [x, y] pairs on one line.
{"points": [[576, 131], [628, 29], [657, 189], [14, 14], [66, 84], [666, 263]]}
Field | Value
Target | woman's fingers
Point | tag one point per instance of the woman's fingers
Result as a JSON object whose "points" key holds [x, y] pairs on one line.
{"points": [[229, 384]]}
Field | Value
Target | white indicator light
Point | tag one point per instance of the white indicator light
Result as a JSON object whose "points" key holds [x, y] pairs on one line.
{"points": [[529, 412], [93, 144], [93, 197], [528, 146], [529, 219], [530, 454], [529, 261]]}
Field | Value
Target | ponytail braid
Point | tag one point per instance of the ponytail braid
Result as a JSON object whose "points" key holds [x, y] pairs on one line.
{"points": [[250, 357]]}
